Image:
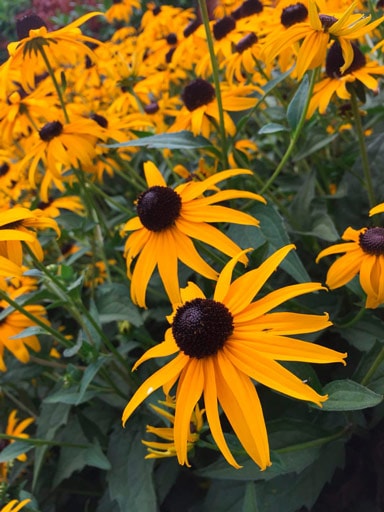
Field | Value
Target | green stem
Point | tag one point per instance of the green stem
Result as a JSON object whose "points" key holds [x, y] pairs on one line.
{"points": [[353, 321], [374, 366], [216, 80], [295, 136], [42, 442], [55, 83], [363, 149]]}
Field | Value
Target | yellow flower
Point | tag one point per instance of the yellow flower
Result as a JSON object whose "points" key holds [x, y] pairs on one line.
{"points": [[15, 322], [201, 112], [121, 10], [63, 45], [316, 33], [15, 505], [166, 447], [221, 345], [14, 428], [363, 254], [167, 220], [336, 82], [18, 225]]}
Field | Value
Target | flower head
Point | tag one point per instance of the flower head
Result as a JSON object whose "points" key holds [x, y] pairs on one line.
{"points": [[363, 254], [221, 345], [166, 446], [167, 220]]}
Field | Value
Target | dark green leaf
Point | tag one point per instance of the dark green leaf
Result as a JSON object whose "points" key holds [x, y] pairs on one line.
{"points": [[272, 128], [348, 395], [114, 304], [296, 107], [176, 140], [11, 451]]}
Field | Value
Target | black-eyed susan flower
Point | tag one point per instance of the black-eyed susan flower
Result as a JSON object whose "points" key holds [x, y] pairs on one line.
{"points": [[165, 447], [15, 505], [336, 82], [37, 43], [19, 225], [221, 345], [201, 110], [316, 33], [15, 427], [167, 221], [363, 255], [12, 325]]}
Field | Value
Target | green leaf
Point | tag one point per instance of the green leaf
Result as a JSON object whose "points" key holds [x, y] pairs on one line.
{"points": [[306, 151], [11, 451], [364, 333], [130, 479], [89, 374], [114, 304], [272, 128], [297, 104], [348, 395], [176, 140], [69, 396]]}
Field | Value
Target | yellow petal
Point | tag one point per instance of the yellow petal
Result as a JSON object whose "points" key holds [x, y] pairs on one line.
{"points": [[338, 248], [155, 381], [144, 267], [218, 214], [212, 413], [167, 264], [344, 269], [225, 277], [376, 209], [189, 391], [244, 288], [166, 348], [153, 175]]}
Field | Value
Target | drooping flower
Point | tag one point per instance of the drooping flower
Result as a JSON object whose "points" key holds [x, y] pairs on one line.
{"points": [[13, 322], [363, 255], [221, 345], [316, 33], [167, 220], [360, 70], [19, 225], [14, 428], [166, 446]]}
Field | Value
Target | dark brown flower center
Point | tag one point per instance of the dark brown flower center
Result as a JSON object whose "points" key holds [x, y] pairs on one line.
{"points": [[246, 42], [327, 21], [247, 8], [4, 168], [50, 130], [198, 93], [27, 23], [100, 120], [151, 108], [335, 61], [201, 327], [223, 27], [158, 207], [293, 14], [171, 38], [372, 241], [191, 27]]}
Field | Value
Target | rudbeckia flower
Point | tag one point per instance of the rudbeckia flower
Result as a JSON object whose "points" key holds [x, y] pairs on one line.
{"points": [[166, 447], [63, 45], [316, 33], [360, 70], [363, 254], [18, 225], [167, 220], [14, 428], [201, 111], [15, 505], [14, 323], [221, 345]]}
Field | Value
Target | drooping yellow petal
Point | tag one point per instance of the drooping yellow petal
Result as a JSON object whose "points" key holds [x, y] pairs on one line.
{"points": [[133, 224], [155, 381], [241, 405], [153, 176], [189, 391], [211, 410], [166, 348], [168, 268], [144, 268], [336, 249], [272, 374], [344, 269]]}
